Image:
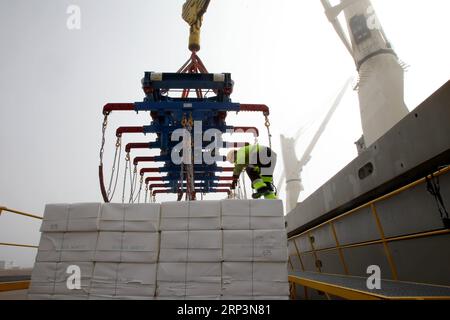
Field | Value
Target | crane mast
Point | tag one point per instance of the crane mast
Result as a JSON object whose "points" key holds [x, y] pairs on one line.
{"points": [[381, 84]]}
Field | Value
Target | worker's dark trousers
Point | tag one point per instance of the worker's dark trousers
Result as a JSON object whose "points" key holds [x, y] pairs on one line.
{"points": [[261, 168]]}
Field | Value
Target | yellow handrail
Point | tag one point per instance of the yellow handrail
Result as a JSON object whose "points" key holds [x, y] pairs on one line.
{"points": [[384, 197], [19, 213], [372, 242], [22, 214], [14, 286], [17, 245], [382, 240]]}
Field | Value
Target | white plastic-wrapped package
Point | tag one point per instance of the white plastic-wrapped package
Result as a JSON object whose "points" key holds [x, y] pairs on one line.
{"points": [[83, 217], [129, 217], [266, 214], [100, 297], [69, 297], [205, 246], [212, 297], [127, 247], [254, 245], [136, 279], [109, 247], [262, 279], [203, 279], [142, 217], [123, 280], [38, 296], [50, 247], [204, 215], [174, 246], [140, 247], [184, 280], [191, 246], [134, 298], [238, 245], [171, 280], [195, 215], [79, 246], [112, 217], [225, 297], [235, 214], [56, 218], [66, 278], [270, 279], [237, 279], [252, 214], [43, 278], [270, 245], [174, 216], [103, 283], [103, 297], [270, 297]]}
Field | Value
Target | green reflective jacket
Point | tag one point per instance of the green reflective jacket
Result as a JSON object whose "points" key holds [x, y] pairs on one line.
{"points": [[243, 158]]}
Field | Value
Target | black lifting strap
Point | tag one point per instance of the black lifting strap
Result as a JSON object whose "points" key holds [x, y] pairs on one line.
{"points": [[434, 189], [102, 184]]}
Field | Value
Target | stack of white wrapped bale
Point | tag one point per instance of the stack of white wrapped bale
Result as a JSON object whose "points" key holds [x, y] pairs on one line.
{"points": [[69, 237], [114, 248], [230, 249], [127, 252], [254, 250], [191, 251]]}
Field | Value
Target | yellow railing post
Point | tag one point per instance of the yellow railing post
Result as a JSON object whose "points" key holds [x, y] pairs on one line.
{"points": [[298, 254], [290, 263], [385, 244], [338, 246]]}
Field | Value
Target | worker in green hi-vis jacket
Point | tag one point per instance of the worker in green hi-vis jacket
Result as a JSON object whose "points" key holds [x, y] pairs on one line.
{"points": [[259, 163]]}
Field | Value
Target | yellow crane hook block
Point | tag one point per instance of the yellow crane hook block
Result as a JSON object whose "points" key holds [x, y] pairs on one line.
{"points": [[193, 11]]}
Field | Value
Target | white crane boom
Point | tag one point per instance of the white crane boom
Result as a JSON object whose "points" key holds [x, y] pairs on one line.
{"points": [[294, 167]]}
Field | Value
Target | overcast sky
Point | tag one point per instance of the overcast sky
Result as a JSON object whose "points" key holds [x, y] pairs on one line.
{"points": [[55, 81]]}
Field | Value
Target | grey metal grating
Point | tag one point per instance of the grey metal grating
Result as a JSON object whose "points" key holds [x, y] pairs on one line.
{"points": [[389, 288]]}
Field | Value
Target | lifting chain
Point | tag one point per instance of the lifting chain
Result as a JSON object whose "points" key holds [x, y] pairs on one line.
{"points": [[267, 124], [102, 148], [127, 160], [133, 181], [187, 124], [138, 196], [146, 192], [180, 184], [116, 160]]}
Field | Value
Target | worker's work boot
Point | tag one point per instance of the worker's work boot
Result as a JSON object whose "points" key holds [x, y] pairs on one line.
{"points": [[256, 195], [261, 192], [260, 187], [270, 195]]}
